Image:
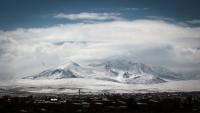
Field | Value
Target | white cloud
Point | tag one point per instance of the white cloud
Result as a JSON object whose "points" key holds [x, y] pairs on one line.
{"points": [[89, 16], [160, 18], [195, 21], [131, 9], [26, 51]]}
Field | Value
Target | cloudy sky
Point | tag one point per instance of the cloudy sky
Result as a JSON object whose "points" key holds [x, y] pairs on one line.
{"points": [[41, 34]]}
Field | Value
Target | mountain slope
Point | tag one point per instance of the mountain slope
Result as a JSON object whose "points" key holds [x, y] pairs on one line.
{"points": [[122, 71]]}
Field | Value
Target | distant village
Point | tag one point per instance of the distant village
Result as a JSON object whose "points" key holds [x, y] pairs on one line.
{"points": [[103, 103]]}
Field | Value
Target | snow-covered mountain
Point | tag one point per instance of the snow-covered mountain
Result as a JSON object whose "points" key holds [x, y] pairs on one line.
{"points": [[122, 71]]}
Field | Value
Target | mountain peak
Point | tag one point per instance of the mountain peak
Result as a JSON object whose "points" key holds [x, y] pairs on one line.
{"points": [[124, 71], [125, 65], [69, 64]]}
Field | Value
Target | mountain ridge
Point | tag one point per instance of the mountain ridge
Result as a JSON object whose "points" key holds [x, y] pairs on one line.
{"points": [[123, 71]]}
